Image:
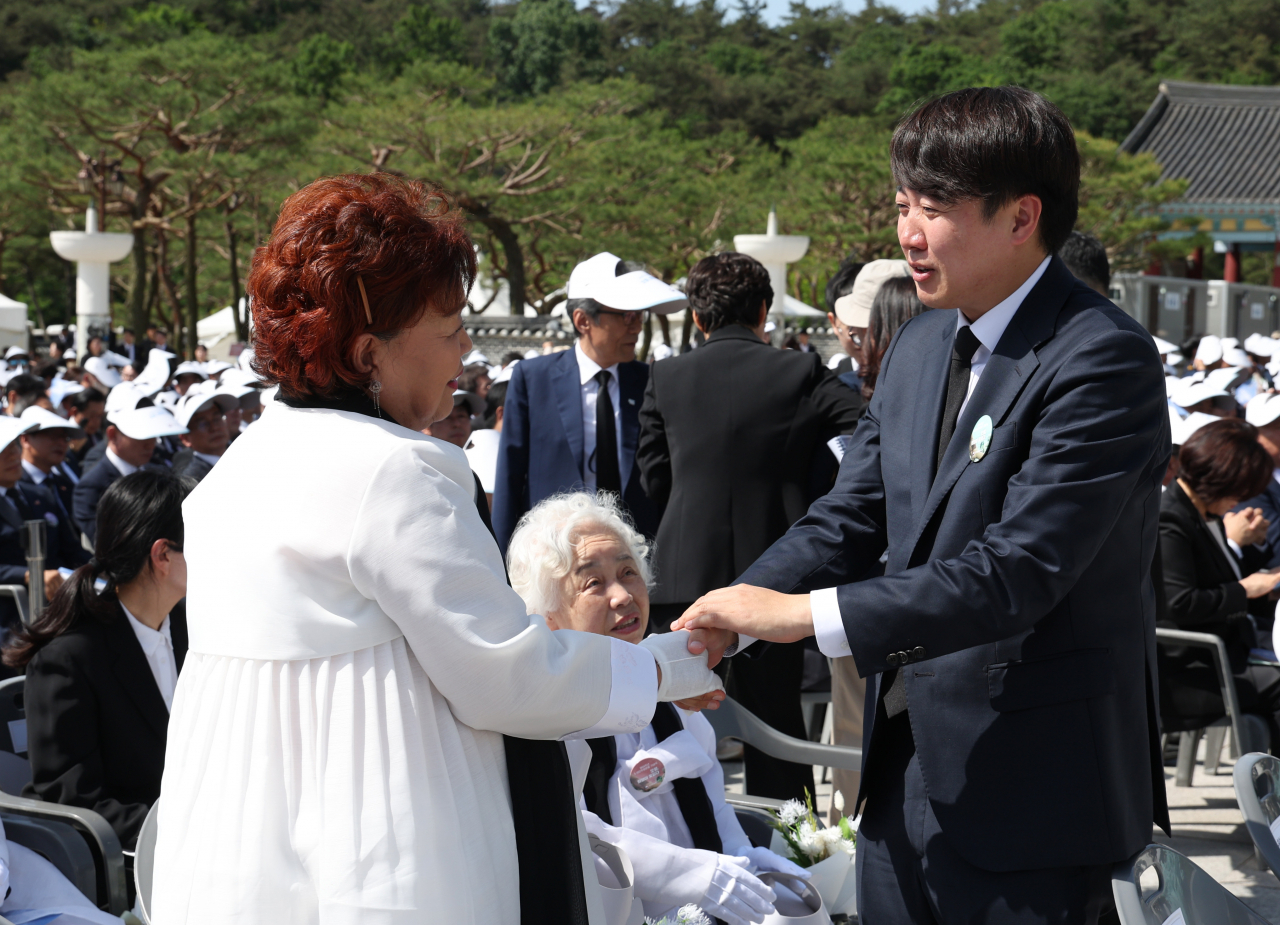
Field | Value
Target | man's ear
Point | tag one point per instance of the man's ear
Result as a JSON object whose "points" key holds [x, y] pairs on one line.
{"points": [[581, 321]]}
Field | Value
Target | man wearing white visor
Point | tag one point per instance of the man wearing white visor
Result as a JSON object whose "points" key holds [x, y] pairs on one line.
{"points": [[1263, 412], [44, 449], [131, 439], [204, 415], [22, 502], [571, 419]]}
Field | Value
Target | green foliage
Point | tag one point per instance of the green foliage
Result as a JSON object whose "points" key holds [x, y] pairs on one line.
{"points": [[533, 48], [425, 34], [320, 65]]}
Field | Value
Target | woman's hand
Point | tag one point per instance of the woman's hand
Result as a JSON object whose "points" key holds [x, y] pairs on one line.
{"points": [[1246, 527], [1260, 584]]}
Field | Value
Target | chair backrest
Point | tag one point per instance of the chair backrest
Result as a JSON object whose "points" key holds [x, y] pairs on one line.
{"points": [[755, 824], [15, 767], [60, 844], [734, 720], [1257, 781], [144, 861], [1217, 651], [1182, 887]]}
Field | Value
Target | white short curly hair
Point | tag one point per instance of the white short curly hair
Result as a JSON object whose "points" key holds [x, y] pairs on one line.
{"points": [[540, 554]]}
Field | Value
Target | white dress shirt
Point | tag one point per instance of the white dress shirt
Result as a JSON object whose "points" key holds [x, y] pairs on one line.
{"points": [[124, 467], [587, 371], [207, 457], [37, 474], [828, 625], [157, 646]]}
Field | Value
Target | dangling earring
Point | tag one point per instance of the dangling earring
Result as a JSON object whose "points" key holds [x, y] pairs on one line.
{"points": [[376, 388]]}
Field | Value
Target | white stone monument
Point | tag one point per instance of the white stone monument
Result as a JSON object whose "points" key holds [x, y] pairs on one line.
{"points": [[93, 252], [775, 251]]}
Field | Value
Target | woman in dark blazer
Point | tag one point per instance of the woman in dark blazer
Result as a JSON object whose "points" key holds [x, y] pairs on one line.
{"points": [[1208, 584], [101, 665]]}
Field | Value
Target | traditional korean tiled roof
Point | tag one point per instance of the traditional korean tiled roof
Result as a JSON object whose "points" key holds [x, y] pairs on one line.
{"points": [[1224, 139]]}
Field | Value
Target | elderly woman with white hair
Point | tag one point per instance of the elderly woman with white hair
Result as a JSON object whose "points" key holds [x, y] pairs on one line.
{"points": [[658, 794]]}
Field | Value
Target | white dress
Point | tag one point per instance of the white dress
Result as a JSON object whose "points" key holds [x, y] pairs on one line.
{"points": [[335, 750]]}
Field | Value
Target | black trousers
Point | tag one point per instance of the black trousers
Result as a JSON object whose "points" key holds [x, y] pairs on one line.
{"points": [[768, 684], [909, 874]]}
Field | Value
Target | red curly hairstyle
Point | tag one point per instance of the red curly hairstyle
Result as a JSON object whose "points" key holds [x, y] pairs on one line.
{"points": [[400, 237]]}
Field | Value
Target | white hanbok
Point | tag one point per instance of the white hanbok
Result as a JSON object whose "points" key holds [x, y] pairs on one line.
{"points": [[335, 752]]}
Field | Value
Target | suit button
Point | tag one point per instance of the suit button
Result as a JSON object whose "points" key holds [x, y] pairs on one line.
{"points": [[903, 658], [892, 659], [918, 653]]}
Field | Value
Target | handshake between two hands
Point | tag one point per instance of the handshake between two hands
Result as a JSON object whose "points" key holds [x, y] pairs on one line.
{"points": [[714, 623]]}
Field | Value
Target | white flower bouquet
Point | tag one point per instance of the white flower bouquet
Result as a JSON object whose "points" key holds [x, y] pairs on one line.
{"points": [[827, 851], [685, 915]]}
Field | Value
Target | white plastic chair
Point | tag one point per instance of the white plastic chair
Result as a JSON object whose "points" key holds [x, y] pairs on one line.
{"points": [[1257, 781], [1183, 887], [144, 862]]}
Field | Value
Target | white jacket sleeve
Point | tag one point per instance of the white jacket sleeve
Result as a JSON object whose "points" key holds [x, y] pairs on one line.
{"points": [[666, 875], [419, 549]]}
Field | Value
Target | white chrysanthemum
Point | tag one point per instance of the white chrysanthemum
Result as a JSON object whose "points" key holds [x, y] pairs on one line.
{"points": [[692, 915], [831, 840], [838, 801], [847, 845], [791, 812], [810, 840]]}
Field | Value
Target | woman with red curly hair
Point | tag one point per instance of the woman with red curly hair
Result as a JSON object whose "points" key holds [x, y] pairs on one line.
{"points": [[364, 732]]}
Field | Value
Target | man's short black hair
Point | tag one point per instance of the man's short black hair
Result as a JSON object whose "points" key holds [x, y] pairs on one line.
{"points": [[23, 391], [727, 289], [993, 144], [496, 398], [1086, 258], [841, 283], [80, 401], [589, 307]]}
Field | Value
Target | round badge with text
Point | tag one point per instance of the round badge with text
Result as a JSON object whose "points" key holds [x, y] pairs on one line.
{"points": [[648, 774]]}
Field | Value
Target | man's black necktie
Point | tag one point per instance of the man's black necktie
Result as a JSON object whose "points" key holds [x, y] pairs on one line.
{"points": [[608, 478], [966, 345]]}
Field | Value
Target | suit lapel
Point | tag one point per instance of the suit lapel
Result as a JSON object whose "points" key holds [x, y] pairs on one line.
{"points": [[134, 673], [935, 367], [568, 391], [1002, 381], [631, 390], [10, 514]]}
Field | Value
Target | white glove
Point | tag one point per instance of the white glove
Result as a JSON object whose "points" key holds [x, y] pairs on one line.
{"points": [[736, 895], [764, 859], [683, 675]]}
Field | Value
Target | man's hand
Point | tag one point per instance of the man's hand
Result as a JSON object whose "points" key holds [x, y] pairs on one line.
{"points": [[750, 611], [708, 701], [713, 642]]}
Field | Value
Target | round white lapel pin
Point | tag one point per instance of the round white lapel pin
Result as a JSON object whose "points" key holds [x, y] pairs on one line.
{"points": [[980, 439]]}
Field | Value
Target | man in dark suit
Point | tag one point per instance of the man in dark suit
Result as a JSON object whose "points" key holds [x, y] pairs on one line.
{"points": [[1263, 413], [1009, 468], [729, 437], [561, 431], [24, 501], [44, 449], [204, 415], [131, 441]]}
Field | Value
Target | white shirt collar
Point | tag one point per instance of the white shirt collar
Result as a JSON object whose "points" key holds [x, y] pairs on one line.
{"points": [[990, 327], [588, 368], [149, 639], [37, 474], [208, 457], [124, 467]]}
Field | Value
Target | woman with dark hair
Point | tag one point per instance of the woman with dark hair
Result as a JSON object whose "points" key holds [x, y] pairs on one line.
{"points": [[101, 664], [1208, 584], [895, 303], [365, 729]]}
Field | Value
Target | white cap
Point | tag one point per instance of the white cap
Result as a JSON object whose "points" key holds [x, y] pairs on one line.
{"points": [[101, 370], [1210, 349], [1163, 347], [1171, 384], [147, 423], [854, 309], [1226, 377], [770, 327], [1262, 409], [605, 279], [193, 403], [532, 353], [1260, 345], [11, 428], [1173, 359], [155, 374], [15, 352], [60, 389], [1229, 342], [124, 397], [1192, 391], [474, 357], [1191, 423], [241, 377], [505, 373], [1234, 356], [44, 419], [214, 367], [190, 368]]}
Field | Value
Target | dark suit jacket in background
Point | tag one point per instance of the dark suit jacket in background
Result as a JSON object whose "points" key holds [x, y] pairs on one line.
{"points": [[728, 434], [1269, 503], [89, 492], [62, 542], [542, 439], [192, 466], [96, 722], [1019, 583]]}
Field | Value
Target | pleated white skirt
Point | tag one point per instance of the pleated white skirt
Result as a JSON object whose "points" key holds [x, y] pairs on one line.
{"points": [[331, 790]]}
